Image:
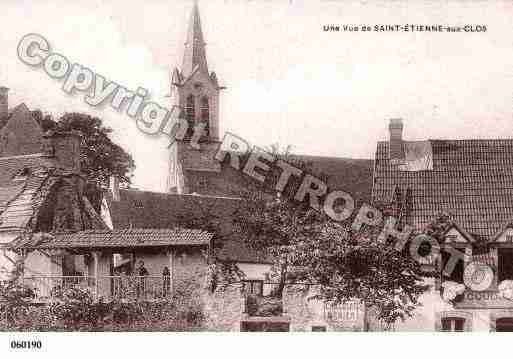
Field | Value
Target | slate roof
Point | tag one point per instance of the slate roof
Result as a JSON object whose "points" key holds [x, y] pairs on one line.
{"points": [[143, 209], [470, 179], [123, 238]]}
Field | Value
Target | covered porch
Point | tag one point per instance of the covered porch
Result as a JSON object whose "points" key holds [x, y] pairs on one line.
{"points": [[133, 264]]}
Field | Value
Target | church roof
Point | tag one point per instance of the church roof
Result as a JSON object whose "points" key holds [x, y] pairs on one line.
{"points": [[470, 179], [347, 174], [352, 175]]}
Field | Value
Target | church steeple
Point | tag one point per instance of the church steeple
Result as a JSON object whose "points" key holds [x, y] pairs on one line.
{"points": [[194, 53], [196, 91], [193, 88]]}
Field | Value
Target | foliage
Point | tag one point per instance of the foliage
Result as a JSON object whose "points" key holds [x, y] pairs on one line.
{"points": [[271, 222], [101, 157], [14, 301], [307, 247], [73, 309]]}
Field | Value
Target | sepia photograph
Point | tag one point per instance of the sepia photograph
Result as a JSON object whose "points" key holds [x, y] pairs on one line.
{"points": [[227, 166]]}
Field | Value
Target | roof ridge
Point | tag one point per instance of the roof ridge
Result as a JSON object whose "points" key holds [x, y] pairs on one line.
{"points": [[454, 139], [179, 194], [32, 155]]}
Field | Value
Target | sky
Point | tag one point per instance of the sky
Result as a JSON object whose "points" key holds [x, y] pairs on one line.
{"points": [[288, 81]]}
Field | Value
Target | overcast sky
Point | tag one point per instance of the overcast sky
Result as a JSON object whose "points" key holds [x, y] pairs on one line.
{"points": [[288, 81]]}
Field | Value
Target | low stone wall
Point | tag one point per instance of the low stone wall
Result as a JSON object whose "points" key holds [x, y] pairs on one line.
{"points": [[309, 314], [224, 308]]}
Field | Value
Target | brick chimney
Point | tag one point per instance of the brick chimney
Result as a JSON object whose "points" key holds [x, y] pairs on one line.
{"points": [[64, 147], [4, 102], [396, 140]]}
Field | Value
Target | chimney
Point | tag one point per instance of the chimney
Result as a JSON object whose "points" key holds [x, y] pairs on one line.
{"points": [[4, 102], [396, 149], [64, 147], [114, 188]]}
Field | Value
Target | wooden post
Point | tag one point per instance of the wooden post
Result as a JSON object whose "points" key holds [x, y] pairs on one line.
{"points": [[170, 255], [96, 260]]}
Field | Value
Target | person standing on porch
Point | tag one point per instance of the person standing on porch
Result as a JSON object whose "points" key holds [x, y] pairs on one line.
{"points": [[142, 273], [166, 280]]}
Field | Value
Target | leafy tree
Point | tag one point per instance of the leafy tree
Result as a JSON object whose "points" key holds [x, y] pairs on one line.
{"points": [[307, 247], [101, 156]]}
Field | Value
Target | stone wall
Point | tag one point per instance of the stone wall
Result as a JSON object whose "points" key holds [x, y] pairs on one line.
{"points": [[224, 308], [307, 313]]}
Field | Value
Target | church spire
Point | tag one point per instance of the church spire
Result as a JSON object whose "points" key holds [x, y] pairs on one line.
{"points": [[194, 54]]}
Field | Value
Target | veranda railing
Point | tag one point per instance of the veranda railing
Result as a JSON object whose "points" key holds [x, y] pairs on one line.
{"points": [[106, 287]]}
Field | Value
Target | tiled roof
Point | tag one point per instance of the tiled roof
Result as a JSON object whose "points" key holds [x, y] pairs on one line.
{"points": [[10, 166], [471, 179], [21, 208], [124, 238], [18, 196], [142, 209]]}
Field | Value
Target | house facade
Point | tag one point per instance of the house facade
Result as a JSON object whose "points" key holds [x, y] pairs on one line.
{"points": [[52, 236], [471, 181]]}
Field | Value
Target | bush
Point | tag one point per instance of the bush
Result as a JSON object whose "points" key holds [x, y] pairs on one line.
{"points": [[75, 310]]}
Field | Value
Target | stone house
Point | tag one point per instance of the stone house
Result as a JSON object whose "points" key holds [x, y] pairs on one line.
{"points": [[50, 229], [472, 181]]}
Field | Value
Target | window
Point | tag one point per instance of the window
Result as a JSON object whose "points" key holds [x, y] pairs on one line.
{"points": [[190, 114], [504, 325], [453, 324], [505, 264], [457, 273], [255, 287], [205, 114], [318, 328]]}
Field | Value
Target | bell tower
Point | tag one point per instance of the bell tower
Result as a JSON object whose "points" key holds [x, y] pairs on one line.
{"points": [[196, 91], [193, 88]]}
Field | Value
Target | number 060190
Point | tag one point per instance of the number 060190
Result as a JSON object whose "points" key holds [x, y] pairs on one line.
{"points": [[26, 344]]}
